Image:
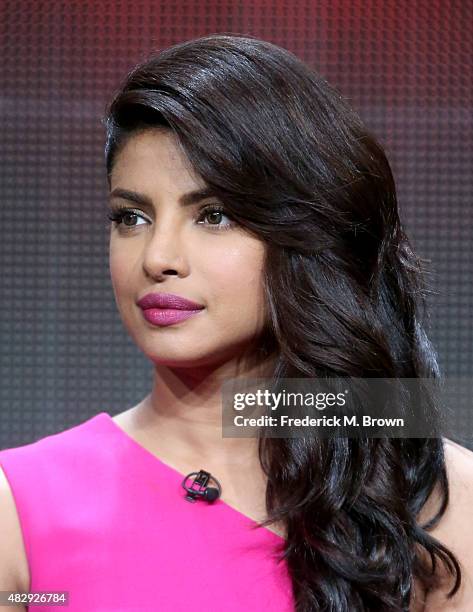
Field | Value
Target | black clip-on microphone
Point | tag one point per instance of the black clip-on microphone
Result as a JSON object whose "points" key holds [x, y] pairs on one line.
{"points": [[210, 494]]}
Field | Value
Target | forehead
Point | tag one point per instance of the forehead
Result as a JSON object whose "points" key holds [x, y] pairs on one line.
{"points": [[154, 155]]}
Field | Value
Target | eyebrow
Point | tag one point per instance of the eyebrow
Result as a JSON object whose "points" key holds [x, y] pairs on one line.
{"points": [[138, 198]]}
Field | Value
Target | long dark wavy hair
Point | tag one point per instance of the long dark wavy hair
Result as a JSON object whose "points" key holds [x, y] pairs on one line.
{"points": [[295, 166]]}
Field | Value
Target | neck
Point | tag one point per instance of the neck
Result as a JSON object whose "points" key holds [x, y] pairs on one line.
{"points": [[185, 409]]}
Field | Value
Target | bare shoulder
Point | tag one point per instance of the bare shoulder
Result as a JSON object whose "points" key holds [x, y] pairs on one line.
{"points": [[455, 529], [14, 572]]}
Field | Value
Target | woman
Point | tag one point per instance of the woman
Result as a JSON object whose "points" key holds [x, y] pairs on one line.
{"points": [[253, 205]]}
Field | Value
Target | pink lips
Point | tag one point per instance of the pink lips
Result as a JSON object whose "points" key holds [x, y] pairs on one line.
{"points": [[167, 309]]}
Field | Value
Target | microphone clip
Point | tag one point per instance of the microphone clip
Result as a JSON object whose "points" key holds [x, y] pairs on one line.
{"points": [[202, 491]]}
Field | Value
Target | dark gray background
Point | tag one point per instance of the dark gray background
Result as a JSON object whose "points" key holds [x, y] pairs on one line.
{"points": [[65, 356]]}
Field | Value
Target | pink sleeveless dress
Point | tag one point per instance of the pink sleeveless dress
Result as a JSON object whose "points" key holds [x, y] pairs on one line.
{"points": [[105, 520]]}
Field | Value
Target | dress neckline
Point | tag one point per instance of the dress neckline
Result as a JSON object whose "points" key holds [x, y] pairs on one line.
{"points": [[107, 418]]}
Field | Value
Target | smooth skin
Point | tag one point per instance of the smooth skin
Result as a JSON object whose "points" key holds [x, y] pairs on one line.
{"points": [[206, 257], [164, 246]]}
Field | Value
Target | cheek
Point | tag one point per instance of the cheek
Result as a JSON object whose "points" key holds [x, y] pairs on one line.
{"points": [[121, 265], [236, 278]]}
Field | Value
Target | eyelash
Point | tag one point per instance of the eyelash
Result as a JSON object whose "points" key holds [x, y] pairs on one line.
{"points": [[119, 212]]}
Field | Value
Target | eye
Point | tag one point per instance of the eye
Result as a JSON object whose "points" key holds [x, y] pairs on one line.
{"points": [[118, 215], [216, 212]]}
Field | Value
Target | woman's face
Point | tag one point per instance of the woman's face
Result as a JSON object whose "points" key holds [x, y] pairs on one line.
{"points": [[170, 248]]}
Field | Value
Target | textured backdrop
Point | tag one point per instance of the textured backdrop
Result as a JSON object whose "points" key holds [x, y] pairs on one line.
{"points": [[65, 356]]}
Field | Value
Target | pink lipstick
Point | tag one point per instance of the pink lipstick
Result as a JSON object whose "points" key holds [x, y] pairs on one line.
{"points": [[167, 308]]}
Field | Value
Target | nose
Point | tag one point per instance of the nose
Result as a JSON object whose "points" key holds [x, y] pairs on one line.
{"points": [[163, 254]]}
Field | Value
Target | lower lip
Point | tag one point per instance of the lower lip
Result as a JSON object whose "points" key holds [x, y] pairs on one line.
{"points": [[167, 316]]}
